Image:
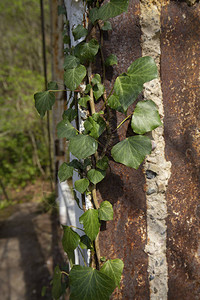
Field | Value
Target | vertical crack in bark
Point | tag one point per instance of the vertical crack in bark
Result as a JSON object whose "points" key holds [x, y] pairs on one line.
{"points": [[156, 167]]}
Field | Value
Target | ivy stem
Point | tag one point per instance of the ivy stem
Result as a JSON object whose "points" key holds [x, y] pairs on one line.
{"points": [[123, 121], [82, 256], [65, 273], [63, 91]]}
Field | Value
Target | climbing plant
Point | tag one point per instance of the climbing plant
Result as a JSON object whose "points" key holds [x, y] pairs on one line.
{"points": [[93, 147]]}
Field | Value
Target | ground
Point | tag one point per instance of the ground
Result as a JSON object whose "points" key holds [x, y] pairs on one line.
{"points": [[30, 247]]}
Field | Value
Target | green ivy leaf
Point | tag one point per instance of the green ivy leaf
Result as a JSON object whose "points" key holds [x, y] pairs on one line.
{"points": [[106, 211], [128, 86], [132, 151], [70, 240], [52, 85], [111, 60], [96, 175], [98, 90], [66, 40], [85, 242], [90, 223], [113, 269], [114, 103], [93, 14], [107, 26], [112, 9], [66, 130], [57, 289], [73, 77], [88, 284], [102, 163], [71, 62], [79, 32], [70, 114], [65, 172], [81, 185], [88, 87], [94, 125], [96, 79], [83, 101], [83, 146], [87, 51], [77, 199], [76, 164], [44, 101], [145, 117]]}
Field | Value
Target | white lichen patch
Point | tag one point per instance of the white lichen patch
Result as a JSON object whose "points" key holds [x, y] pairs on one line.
{"points": [[156, 167]]}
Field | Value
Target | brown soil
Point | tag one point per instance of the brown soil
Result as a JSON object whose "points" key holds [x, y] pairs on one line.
{"points": [[30, 247]]}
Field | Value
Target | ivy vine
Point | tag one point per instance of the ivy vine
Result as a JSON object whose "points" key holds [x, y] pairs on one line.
{"points": [[101, 277]]}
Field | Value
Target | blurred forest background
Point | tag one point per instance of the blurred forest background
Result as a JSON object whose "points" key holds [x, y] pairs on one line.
{"points": [[23, 135]]}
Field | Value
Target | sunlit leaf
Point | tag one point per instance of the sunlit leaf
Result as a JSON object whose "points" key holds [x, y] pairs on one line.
{"points": [[81, 185], [70, 240], [132, 151], [84, 100], [96, 175], [106, 211], [94, 126], [145, 117], [96, 79], [113, 269], [128, 86], [90, 223], [89, 284], [112, 9], [114, 103], [98, 90]]}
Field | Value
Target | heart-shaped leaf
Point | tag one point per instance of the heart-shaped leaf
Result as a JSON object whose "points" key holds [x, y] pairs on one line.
{"points": [[128, 86], [87, 51], [66, 130], [81, 185], [98, 90], [73, 77], [132, 151], [112, 9], [113, 269], [90, 223], [83, 101], [96, 79], [65, 172], [79, 32], [95, 175], [106, 211], [113, 102], [88, 284], [70, 240], [94, 126], [145, 117], [44, 101], [83, 146], [71, 62]]}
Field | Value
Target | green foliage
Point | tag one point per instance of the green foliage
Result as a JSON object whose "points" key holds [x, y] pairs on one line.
{"points": [[132, 151], [145, 117], [92, 161], [44, 101], [73, 77], [85, 283], [113, 269], [90, 223], [106, 211], [129, 85], [65, 172], [57, 289]]}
